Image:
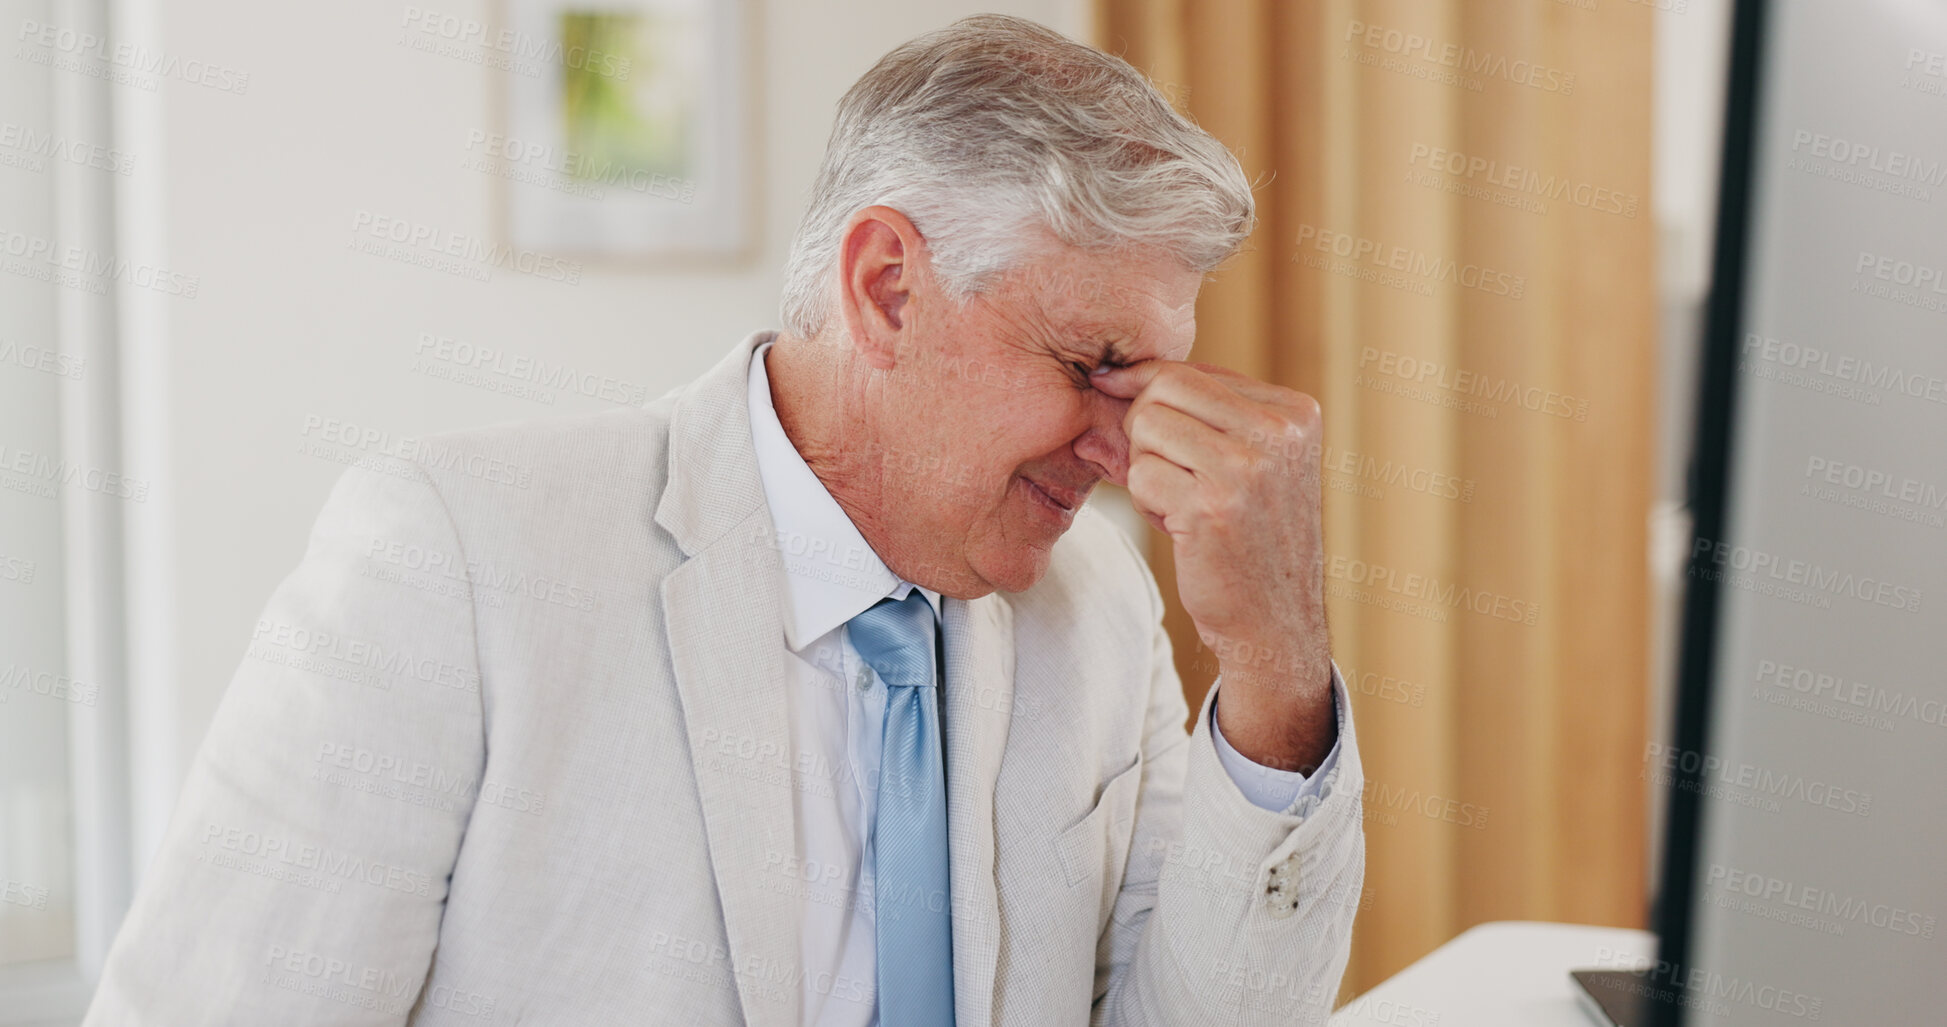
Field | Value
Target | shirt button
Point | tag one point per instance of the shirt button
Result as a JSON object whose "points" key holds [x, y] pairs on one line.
{"points": [[865, 679]]}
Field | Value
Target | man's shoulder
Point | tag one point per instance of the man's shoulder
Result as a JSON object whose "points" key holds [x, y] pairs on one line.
{"points": [[564, 498], [549, 460]]}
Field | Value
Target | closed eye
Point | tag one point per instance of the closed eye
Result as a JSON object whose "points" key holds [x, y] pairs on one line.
{"points": [[1091, 358]]}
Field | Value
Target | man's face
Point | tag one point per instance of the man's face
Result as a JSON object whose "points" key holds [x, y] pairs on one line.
{"points": [[994, 436]]}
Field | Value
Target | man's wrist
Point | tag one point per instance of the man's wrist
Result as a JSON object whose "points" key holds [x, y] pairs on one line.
{"points": [[1305, 687], [1286, 720], [1300, 674]]}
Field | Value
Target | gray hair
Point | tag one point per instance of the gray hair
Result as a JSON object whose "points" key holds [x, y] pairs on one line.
{"points": [[982, 130]]}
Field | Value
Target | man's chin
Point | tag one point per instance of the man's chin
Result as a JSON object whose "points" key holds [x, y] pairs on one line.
{"points": [[1021, 568]]}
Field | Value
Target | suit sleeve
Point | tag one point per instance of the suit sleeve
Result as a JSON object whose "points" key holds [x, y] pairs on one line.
{"points": [[1274, 788], [1229, 913], [305, 868]]}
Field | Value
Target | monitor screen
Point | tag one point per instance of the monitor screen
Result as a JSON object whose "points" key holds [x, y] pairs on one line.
{"points": [[1808, 776]]}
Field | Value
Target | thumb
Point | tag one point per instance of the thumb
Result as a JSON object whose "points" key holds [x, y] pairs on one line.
{"points": [[1126, 381]]}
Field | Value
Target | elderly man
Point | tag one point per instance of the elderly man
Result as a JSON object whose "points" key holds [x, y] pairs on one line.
{"points": [[812, 692]]}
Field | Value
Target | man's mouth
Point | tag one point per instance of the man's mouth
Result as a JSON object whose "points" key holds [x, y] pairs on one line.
{"points": [[1064, 499]]}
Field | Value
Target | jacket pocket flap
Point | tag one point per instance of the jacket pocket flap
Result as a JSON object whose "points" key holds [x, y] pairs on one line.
{"points": [[1104, 831]]}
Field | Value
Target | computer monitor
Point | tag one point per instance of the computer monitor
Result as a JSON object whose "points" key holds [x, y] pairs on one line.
{"points": [[1805, 869]]}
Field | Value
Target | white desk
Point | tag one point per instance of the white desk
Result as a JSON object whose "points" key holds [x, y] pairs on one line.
{"points": [[1509, 974]]}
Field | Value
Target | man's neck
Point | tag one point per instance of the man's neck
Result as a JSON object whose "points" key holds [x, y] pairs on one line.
{"points": [[826, 403], [822, 409]]}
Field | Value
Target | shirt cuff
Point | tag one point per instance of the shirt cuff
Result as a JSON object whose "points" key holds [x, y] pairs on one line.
{"points": [[1282, 791]]}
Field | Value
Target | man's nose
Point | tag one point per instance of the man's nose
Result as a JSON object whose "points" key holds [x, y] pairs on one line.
{"points": [[1104, 444]]}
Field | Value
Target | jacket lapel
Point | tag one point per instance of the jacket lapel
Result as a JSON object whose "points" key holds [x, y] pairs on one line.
{"points": [[979, 645], [726, 644]]}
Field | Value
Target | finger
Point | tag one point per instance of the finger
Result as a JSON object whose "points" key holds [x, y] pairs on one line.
{"points": [[1125, 381], [1227, 400], [1249, 387], [1129, 380], [1158, 489], [1206, 399], [1183, 440]]}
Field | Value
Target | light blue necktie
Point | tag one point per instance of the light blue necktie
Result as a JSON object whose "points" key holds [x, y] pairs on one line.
{"points": [[914, 909]]}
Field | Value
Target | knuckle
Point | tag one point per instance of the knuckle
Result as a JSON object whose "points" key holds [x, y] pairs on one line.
{"points": [[1274, 425], [1306, 411], [1242, 462]]}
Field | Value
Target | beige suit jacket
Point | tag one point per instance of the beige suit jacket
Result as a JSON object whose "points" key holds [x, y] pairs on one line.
{"points": [[506, 748]]}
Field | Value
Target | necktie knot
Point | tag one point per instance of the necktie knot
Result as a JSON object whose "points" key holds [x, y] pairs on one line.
{"points": [[895, 637]]}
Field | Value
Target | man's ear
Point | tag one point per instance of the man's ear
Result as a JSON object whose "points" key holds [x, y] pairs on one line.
{"points": [[878, 279]]}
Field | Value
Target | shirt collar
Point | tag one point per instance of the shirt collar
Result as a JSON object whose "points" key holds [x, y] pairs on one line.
{"points": [[831, 575]]}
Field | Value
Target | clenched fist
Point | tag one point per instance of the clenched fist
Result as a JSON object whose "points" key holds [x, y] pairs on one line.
{"points": [[1228, 467]]}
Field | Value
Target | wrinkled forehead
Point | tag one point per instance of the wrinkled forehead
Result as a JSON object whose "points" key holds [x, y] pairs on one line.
{"points": [[1139, 303]]}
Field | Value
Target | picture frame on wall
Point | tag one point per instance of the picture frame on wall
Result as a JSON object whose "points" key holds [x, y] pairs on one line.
{"points": [[627, 132]]}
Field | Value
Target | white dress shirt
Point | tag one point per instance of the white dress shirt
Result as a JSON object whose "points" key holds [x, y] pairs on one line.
{"points": [[836, 706]]}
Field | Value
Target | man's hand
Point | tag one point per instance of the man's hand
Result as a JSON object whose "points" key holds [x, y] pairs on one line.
{"points": [[1228, 467]]}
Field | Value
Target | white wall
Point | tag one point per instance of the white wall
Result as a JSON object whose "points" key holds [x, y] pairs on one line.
{"points": [[255, 194], [35, 853]]}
